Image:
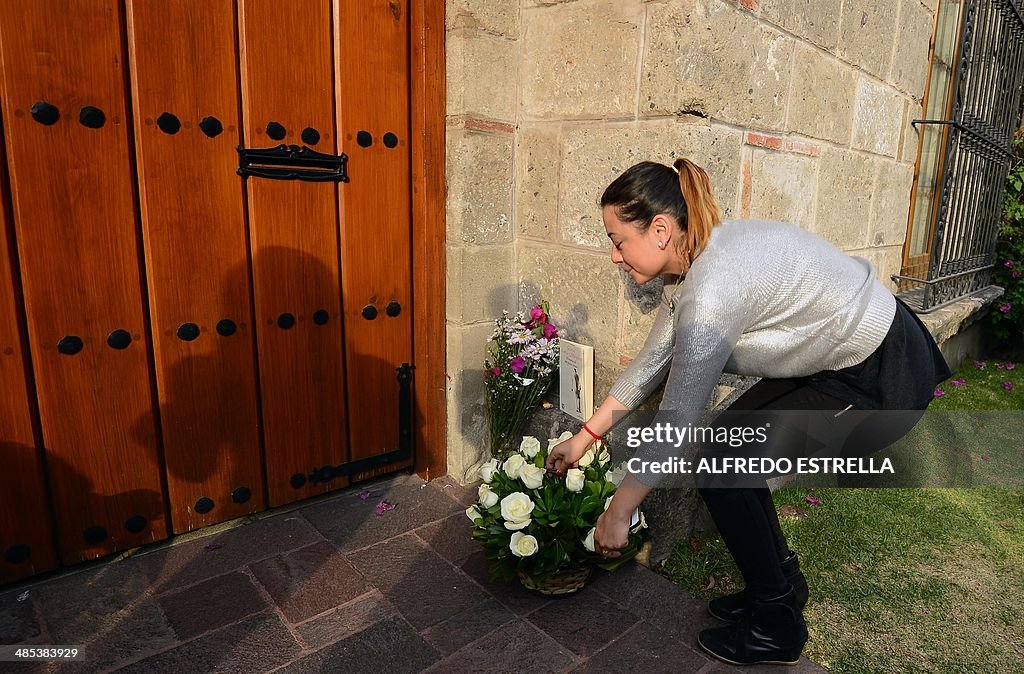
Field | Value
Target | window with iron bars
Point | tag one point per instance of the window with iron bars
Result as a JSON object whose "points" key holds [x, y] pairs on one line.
{"points": [[972, 107]]}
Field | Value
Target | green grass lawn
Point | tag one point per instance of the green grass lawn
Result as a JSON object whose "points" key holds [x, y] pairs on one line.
{"points": [[903, 580]]}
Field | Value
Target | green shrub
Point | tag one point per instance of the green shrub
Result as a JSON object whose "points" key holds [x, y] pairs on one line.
{"points": [[1007, 321]]}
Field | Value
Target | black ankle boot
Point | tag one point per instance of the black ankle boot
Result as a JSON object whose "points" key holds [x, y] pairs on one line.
{"points": [[771, 632], [731, 607]]}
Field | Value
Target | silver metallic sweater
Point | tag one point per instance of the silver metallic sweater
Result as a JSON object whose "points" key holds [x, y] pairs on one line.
{"points": [[767, 299]]}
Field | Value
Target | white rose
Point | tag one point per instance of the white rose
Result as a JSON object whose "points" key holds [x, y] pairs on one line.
{"points": [[564, 436], [643, 521], [574, 479], [516, 509], [605, 457], [588, 542], [529, 446], [487, 497], [513, 465], [523, 545], [473, 514], [615, 475], [552, 442], [587, 458], [532, 476], [487, 470], [516, 526]]}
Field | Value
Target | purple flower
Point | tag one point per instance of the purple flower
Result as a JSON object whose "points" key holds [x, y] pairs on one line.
{"points": [[980, 364], [494, 371], [550, 331], [364, 494], [1008, 264], [537, 315], [984, 457], [999, 366], [1008, 385], [1010, 366], [1005, 308], [939, 392], [958, 382], [214, 546], [810, 500], [1015, 274], [518, 364], [383, 507]]}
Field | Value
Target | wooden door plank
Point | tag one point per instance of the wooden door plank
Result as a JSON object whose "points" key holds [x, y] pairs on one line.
{"points": [[26, 530], [287, 81], [372, 65], [183, 65], [73, 203]]}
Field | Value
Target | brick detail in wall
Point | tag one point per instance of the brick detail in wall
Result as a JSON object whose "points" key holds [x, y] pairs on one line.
{"points": [[474, 124], [783, 144]]}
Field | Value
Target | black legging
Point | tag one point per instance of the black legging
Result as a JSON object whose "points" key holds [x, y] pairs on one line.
{"points": [[746, 517]]}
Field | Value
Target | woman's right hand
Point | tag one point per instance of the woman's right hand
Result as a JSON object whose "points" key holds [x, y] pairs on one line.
{"points": [[565, 455]]}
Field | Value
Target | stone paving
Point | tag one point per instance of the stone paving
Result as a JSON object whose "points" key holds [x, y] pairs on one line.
{"points": [[330, 586]]}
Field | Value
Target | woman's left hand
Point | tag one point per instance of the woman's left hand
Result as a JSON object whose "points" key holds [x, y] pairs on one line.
{"points": [[611, 536]]}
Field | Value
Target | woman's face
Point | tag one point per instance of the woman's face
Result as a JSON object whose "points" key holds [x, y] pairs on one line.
{"points": [[637, 253]]}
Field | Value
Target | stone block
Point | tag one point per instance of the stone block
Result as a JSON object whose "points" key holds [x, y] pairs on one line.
{"points": [[468, 626], [18, 621], [911, 135], [594, 156], [646, 649], [886, 261], [910, 69], [211, 604], [487, 282], [517, 647], [821, 103], [582, 288], [454, 285], [890, 207], [636, 325], [468, 442], [390, 645], [510, 593], [499, 18], [346, 620], [481, 75], [536, 205], [581, 59], [306, 582], [452, 538], [846, 178], [817, 21], [479, 174], [783, 187], [877, 118], [867, 33], [692, 63], [584, 622]]}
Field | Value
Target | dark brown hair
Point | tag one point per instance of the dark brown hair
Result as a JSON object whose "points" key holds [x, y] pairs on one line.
{"points": [[649, 189]]}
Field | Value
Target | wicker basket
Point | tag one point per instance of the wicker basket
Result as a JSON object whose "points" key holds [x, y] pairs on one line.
{"points": [[563, 582]]}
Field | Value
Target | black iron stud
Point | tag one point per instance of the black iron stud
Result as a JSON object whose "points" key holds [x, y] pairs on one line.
{"points": [[204, 505], [320, 316], [286, 321], [364, 138], [95, 534], [298, 481], [393, 309], [18, 553], [310, 136], [390, 140], [119, 339], [369, 312], [211, 126], [136, 523], [168, 123], [188, 332], [276, 131], [92, 117], [70, 345], [226, 327], [45, 113], [241, 495]]}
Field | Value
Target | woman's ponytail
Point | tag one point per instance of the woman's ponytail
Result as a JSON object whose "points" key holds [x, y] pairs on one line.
{"points": [[702, 212]]}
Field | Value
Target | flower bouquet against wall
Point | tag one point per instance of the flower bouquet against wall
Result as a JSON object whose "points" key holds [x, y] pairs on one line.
{"points": [[521, 358], [540, 525]]}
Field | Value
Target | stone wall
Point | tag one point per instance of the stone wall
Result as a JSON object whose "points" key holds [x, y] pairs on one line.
{"points": [[799, 109]]}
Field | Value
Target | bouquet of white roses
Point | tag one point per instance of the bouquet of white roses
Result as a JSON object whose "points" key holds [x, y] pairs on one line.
{"points": [[521, 358], [539, 523]]}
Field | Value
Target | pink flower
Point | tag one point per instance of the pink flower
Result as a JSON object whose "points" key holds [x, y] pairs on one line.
{"points": [[382, 508], [999, 366], [1005, 308], [811, 500], [1015, 274], [939, 392], [958, 382], [550, 331], [1008, 385], [1008, 264], [537, 315], [984, 457], [1010, 366], [494, 371], [980, 364], [518, 364]]}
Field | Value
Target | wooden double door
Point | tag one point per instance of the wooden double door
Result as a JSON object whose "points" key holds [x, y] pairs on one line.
{"points": [[205, 273]]}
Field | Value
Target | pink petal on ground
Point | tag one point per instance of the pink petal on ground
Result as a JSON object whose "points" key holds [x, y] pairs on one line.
{"points": [[810, 500], [939, 392], [984, 457], [214, 546], [383, 507]]}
